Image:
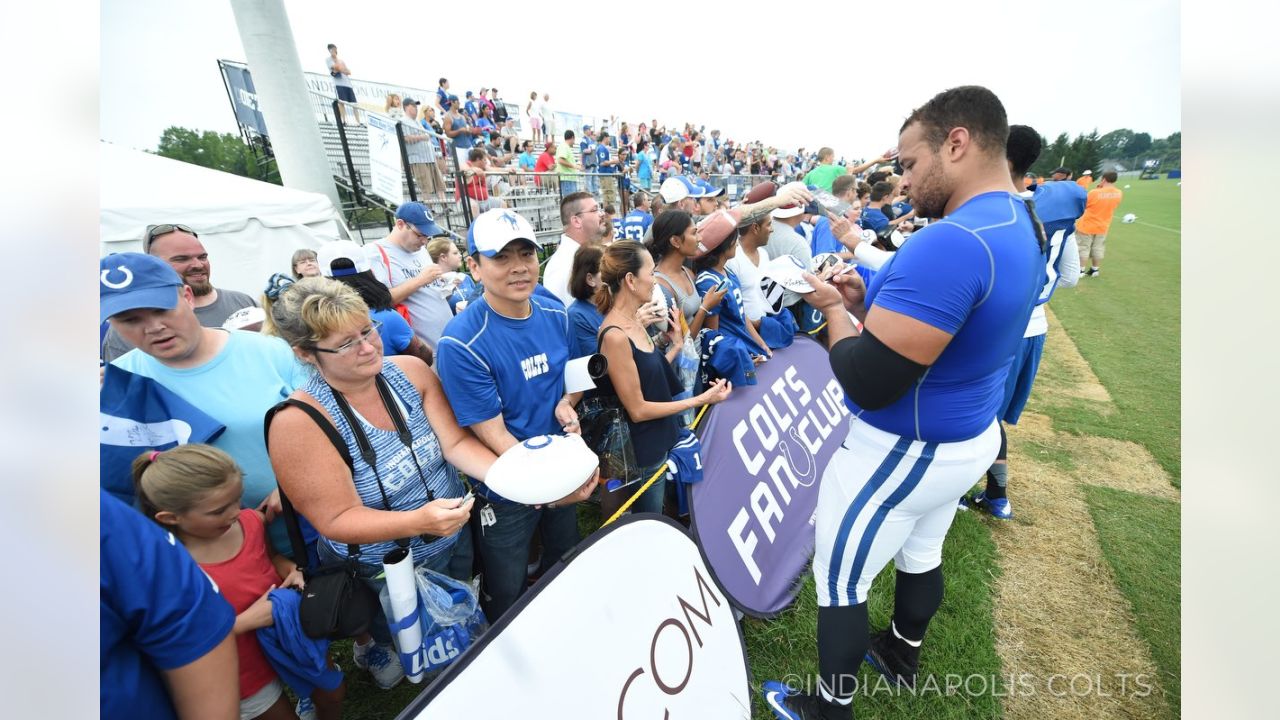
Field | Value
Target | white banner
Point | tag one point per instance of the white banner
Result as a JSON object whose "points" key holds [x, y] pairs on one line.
{"points": [[634, 626], [384, 159]]}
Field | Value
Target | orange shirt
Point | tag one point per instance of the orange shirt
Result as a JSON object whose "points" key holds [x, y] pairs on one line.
{"points": [[1098, 209], [1084, 181]]}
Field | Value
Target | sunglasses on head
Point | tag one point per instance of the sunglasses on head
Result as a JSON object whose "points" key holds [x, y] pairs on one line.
{"points": [[155, 231]]}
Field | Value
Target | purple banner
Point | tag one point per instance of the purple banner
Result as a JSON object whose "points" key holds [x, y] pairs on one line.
{"points": [[766, 447]]}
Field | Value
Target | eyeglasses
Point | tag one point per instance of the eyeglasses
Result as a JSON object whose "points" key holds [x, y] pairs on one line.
{"points": [[155, 231], [348, 346], [588, 212]]}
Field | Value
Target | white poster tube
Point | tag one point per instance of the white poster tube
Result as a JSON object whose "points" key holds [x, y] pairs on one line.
{"points": [[402, 590]]}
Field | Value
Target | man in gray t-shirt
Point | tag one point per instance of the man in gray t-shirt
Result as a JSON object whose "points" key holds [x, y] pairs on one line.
{"points": [[784, 240], [341, 75], [400, 261], [179, 246]]}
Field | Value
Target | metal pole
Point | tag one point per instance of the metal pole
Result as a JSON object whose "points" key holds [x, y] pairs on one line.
{"points": [[282, 92], [404, 162], [346, 153]]}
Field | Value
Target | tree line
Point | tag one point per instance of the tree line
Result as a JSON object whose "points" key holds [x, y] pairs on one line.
{"points": [[218, 151], [1124, 148]]}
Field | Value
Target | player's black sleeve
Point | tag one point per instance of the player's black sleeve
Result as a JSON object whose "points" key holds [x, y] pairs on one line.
{"points": [[873, 375]]}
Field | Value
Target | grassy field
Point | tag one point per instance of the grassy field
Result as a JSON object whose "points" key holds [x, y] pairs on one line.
{"points": [[1137, 533], [1125, 325]]}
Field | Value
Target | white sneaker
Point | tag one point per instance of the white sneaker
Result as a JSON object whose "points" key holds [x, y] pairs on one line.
{"points": [[382, 662], [305, 709]]}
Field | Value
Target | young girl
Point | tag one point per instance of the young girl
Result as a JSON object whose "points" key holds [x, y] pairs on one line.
{"points": [[729, 315], [194, 491]]}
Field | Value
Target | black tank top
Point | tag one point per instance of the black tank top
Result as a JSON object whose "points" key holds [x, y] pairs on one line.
{"points": [[653, 439]]}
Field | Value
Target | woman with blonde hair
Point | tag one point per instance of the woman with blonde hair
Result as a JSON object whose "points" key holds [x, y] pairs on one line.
{"points": [[393, 107], [403, 490]]}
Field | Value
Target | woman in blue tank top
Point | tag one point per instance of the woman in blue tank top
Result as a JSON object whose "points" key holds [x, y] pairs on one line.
{"points": [[640, 373], [412, 491]]}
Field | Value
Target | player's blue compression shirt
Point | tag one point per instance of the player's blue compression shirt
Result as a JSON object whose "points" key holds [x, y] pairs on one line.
{"points": [[975, 275]]}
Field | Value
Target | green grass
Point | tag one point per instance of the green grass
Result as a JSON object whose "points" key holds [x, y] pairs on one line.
{"points": [[961, 637], [1141, 540], [1125, 323]]}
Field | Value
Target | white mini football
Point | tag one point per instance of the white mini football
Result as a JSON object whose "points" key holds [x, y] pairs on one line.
{"points": [[1130, 217], [542, 469]]}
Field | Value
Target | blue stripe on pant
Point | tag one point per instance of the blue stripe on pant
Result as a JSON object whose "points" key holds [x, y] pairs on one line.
{"points": [[882, 474], [869, 535]]}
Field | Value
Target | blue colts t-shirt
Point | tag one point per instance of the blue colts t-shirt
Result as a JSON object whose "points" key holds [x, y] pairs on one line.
{"points": [[1059, 200], [602, 157], [974, 274], [492, 365], [824, 241]]}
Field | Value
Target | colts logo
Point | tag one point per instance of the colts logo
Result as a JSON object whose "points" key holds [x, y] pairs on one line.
{"points": [[510, 218], [128, 278], [534, 366]]}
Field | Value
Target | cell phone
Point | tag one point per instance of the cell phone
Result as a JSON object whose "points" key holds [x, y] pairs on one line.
{"points": [[466, 498], [722, 284]]}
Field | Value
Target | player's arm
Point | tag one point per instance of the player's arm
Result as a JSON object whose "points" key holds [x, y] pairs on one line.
{"points": [[878, 365]]}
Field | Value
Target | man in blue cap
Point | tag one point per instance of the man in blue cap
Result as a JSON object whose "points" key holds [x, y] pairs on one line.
{"points": [[587, 151], [234, 376], [400, 261], [502, 364]]}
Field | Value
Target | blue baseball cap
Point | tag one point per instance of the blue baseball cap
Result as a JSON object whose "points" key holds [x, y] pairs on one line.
{"points": [[495, 229], [419, 216], [469, 93], [129, 281], [709, 190], [678, 187]]}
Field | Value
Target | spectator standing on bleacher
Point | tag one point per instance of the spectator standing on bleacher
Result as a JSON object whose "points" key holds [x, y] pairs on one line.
{"points": [[566, 167], [471, 108], [534, 110], [459, 131], [548, 116], [179, 246], [443, 99], [587, 155], [340, 73], [500, 114], [400, 261], [606, 165], [584, 224], [420, 148], [644, 164]]}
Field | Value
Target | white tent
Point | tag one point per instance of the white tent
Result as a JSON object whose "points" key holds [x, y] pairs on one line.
{"points": [[250, 228]]}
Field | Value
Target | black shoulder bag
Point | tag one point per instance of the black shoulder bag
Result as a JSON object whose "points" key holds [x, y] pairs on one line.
{"points": [[606, 431]]}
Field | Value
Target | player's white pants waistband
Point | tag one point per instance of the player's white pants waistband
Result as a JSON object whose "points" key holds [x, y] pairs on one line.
{"points": [[886, 496]]}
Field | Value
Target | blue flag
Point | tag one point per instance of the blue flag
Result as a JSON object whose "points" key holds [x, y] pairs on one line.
{"points": [[137, 414]]}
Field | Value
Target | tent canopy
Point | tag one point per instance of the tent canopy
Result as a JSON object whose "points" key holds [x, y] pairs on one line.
{"points": [[250, 228]]}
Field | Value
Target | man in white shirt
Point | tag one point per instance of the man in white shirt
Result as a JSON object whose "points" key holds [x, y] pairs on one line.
{"points": [[401, 262], [584, 224]]}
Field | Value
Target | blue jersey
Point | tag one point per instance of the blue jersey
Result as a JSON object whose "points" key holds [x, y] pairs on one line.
{"points": [[158, 611], [587, 150], [395, 332], [731, 311], [874, 219], [492, 365], [901, 208], [1056, 232], [1060, 200], [584, 322], [635, 224], [975, 275], [602, 157], [443, 98], [824, 241]]}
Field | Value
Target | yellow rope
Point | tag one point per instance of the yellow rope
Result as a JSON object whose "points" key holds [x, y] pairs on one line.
{"points": [[661, 471]]}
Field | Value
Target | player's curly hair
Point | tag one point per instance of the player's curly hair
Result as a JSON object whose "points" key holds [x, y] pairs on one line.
{"points": [[972, 107]]}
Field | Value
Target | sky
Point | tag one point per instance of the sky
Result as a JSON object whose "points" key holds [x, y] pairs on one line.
{"points": [[843, 77]]}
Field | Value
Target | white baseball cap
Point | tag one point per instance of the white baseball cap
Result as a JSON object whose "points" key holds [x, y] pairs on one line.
{"points": [[341, 250], [495, 229]]}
